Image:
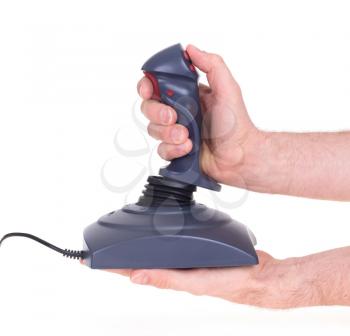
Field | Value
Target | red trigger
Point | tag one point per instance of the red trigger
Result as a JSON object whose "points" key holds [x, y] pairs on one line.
{"points": [[153, 79]]}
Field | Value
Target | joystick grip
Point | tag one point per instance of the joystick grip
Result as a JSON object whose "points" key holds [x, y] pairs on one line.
{"points": [[175, 83]]}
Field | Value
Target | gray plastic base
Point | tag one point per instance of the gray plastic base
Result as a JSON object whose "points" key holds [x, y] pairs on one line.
{"points": [[167, 237]]}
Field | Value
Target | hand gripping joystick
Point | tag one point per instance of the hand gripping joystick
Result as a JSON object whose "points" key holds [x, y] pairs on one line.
{"points": [[174, 80]]}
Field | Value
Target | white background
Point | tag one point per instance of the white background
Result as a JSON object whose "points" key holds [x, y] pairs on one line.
{"points": [[68, 71]]}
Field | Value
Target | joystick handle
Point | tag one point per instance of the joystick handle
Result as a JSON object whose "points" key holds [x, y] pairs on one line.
{"points": [[175, 83]]}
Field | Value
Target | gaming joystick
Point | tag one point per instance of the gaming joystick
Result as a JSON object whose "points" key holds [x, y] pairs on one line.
{"points": [[166, 228]]}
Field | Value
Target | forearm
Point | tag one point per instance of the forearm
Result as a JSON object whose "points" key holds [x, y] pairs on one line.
{"points": [[315, 165], [318, 279]]}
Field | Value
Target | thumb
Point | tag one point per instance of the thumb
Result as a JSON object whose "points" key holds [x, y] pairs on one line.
{"points": [[218, 74]]}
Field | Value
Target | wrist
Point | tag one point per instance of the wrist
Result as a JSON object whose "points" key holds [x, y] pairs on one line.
{"points": [[287, 284], [266, 162], [250, 167]]}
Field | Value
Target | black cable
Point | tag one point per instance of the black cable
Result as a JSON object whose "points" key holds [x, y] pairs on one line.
{"points": [[66, 253]]}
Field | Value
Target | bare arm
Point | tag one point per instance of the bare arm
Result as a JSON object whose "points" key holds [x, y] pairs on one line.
{"points": [[317, 279], [315, 165]]}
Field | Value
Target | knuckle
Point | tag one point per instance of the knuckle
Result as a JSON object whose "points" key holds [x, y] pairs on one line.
{"points": [[166, 152], [167, 133], [150, 129], [237, 89], [143, 106], [155, 131], [161, 152], [217, 59], [164, 133]]}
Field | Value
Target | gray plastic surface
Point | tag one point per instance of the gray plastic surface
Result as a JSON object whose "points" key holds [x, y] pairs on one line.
{"points": [[140, 237]]}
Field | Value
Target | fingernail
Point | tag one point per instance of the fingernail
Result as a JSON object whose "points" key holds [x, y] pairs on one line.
{"points": [[166, 116], [140, 279], [177, 135]]}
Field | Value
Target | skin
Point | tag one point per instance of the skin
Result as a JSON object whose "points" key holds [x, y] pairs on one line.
{"points": [[236, 153], [314, 280]]}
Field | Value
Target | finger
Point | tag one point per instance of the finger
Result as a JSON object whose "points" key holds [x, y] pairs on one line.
{"points": [[169, 151], [121, 271], [175, 134], [145, 88], [181, 280], [158, 113], [219, 76]]}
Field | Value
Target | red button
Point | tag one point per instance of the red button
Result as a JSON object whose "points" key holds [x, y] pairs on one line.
{"points": [[169, 92], [153, 79]]}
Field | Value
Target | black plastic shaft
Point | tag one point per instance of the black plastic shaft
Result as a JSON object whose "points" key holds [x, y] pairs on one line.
{"points": [[162, 191]]}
